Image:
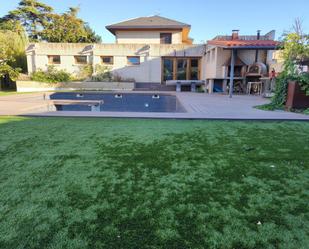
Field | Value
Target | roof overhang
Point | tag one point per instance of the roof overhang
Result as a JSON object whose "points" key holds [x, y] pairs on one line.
{"points": [[113, 30], [245, 44], [251, 47]]}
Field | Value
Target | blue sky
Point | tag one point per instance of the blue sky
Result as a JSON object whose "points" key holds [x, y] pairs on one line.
{"points": [[207, 17]]}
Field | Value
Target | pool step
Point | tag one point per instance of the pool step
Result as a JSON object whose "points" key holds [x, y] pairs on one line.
{"points": [[76, 102]]}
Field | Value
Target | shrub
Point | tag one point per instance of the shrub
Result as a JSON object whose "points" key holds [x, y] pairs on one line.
{"points": [[303, 81], [295, 48], [118, 78], [103, 73], [51, 75], [279, 98], [84, 72]]}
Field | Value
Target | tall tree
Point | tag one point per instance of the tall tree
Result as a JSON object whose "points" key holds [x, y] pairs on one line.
{"points": [[67, 27], [14, 38], [42, 24], [7, 59], [92, 37], [295, 44], [33, 15]]}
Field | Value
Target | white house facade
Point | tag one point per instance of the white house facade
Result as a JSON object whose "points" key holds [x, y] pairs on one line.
{"points": [[154, 50], [148, 49]]}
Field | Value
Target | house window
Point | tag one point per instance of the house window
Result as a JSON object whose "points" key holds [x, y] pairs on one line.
{"points": [[80, 59], [168, 69], [133, 60], [194, 69], [182, 69], [107, 60], [176, 68], [54, 59], [166, 38]]}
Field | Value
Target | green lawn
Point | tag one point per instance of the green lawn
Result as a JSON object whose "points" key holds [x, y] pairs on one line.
{"points": [[7, 93], [129, 183]]}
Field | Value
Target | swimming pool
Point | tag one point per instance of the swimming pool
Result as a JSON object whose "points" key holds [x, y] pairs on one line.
{"points": [[116, 102]]}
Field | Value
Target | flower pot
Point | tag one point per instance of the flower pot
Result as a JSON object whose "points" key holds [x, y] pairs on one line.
{"points": [[296, 97]]}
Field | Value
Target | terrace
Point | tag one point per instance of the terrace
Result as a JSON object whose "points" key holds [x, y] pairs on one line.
{"points": [[196, 106]]}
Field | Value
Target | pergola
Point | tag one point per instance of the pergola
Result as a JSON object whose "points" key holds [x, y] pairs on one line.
{"points": [[235, 45]]}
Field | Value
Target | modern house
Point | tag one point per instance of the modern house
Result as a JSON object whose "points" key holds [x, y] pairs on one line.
{"points": [[156, 49], [147, 49]]}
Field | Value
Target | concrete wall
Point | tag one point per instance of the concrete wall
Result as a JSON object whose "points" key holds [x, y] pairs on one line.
{"points": [[67, 63], [215, 58], [248, 56], [277, 61], [149, 69], [146, 37], [33, 86]]}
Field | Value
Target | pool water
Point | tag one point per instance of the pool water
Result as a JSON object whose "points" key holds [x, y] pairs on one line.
{"points": [[119, 102]]}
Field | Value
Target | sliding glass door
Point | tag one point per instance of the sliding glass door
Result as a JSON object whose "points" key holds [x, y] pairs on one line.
{"points": [[176, 68], [194, 69], [168, 69], [182, 69]]}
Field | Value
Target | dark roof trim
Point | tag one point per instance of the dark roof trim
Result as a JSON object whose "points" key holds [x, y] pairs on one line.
{"points": [[148, 23], [251, 47], [146, 27]]}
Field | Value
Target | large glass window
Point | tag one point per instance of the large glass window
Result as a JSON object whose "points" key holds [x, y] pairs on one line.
{"points": [[174, 68], [182, 69], [168, 69], [166, 38], [194, 69]]}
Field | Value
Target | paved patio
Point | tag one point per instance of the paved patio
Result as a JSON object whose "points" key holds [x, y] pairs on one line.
{"points": [[197, 105]]}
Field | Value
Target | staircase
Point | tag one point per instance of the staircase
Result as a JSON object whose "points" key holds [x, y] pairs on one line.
{"points": [[139, 86]]}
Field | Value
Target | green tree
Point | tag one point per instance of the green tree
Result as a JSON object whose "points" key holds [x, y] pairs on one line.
{"points": [[294, 50], [13, 41], [92, 37], [33, 15], [14, 36], [42, 24], [6, 56], [67, 27], [12, 25]]}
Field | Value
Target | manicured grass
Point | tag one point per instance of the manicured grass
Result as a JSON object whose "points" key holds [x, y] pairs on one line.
{"points": [[118, 183], [7, 93]]}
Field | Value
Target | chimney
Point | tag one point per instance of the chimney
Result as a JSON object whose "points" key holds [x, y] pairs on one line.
{"points": [[235, 34], [258, 37], [258, 34]]}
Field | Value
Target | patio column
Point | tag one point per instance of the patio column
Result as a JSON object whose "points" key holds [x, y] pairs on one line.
{"points": [[211, 83], [233, 56]]}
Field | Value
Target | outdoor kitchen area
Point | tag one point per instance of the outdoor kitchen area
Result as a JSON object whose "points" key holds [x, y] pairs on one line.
{"points": [[241, 64]]}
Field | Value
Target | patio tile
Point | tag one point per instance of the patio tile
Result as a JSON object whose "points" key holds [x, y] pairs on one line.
{"points": [[197, 105]]}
